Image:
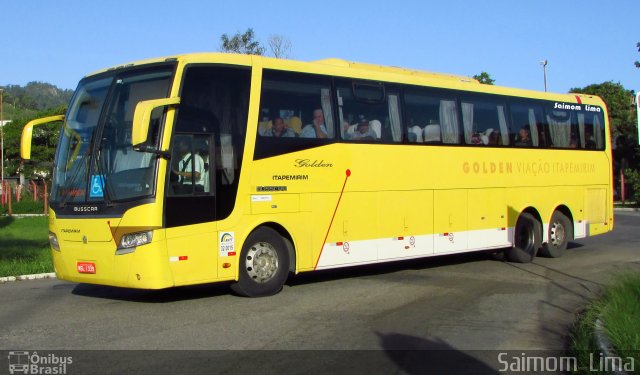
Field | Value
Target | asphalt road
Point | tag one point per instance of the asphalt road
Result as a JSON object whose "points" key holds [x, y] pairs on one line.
{"points": [[375, 319]]}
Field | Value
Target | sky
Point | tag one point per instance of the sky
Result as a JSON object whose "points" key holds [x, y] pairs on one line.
{"points": [[584, 42]]}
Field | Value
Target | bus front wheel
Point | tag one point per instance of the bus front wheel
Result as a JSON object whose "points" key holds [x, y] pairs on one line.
{"points": [[264, 264], [560, 232], [526, 239]]}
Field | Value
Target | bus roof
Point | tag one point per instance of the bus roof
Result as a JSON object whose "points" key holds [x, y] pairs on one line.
{"points": [[359, 70], [394, 69]]}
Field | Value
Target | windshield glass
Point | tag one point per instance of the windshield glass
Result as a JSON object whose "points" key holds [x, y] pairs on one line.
{"points": [[95, 161]]}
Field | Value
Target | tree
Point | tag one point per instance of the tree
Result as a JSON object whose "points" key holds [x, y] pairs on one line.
{"points": [[638, 62], [622, 118], [43, 146], [484, 78], [280, 46], [241, 43]]}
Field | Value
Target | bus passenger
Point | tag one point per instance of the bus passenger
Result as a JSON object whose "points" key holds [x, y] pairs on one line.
{"points": [[523, 137], [590, 144], [317, 129], [279, 129], [363, 131], [573, 141]]}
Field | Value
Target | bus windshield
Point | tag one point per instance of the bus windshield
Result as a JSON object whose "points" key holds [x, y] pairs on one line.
{"points": [[95, 161]]}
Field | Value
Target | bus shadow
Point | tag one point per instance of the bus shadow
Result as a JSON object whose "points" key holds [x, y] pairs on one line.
{"points": [[574, 245], [184, 293], [389, 267], [176, 294], [416, 355]]}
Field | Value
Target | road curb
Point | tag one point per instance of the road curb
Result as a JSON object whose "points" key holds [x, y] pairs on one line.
{"points": [[23, 215], [37, 276], [605, 345], [626, 209]]}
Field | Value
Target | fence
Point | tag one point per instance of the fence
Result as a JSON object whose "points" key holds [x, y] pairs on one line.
{"points": [[31, 198]]}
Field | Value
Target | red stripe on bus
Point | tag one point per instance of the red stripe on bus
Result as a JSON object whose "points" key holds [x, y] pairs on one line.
{"points": [[578, 99], [348, 174]]}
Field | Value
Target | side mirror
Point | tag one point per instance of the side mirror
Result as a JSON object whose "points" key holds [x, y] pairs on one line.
{"points": [[27, 134], [142, 117]]}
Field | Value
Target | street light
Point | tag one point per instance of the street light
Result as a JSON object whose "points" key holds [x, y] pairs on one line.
{"points": [[544, 68]]}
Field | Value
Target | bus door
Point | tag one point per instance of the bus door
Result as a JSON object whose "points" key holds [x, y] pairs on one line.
{"points": [[189, 212], [202, 183]]}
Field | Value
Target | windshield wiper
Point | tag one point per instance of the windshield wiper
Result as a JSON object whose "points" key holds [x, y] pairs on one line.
{"points": [[71, 180], [152, 150]]}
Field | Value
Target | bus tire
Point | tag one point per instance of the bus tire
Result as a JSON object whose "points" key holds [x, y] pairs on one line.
{"points": [[526, 239], [560, 232], [264, 264]]}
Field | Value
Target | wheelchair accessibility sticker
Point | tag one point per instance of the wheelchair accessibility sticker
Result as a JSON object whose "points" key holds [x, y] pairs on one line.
{"points": [[97, 185]]}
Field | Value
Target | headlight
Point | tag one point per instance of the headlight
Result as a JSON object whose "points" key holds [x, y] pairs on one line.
{"points": [[135, 239], [53, 241]]}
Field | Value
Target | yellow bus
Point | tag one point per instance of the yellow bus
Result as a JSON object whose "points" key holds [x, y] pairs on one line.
{"points": [[203, 168]]}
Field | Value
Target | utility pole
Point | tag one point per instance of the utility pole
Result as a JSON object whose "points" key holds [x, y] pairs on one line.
{"points": [[544, 68], [2, 142]]}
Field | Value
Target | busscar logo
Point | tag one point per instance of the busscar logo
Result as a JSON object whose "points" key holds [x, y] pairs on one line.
{"points": [[85, 209], [24, 362]]}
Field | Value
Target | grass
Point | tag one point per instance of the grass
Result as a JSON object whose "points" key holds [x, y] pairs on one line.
{"points": [[24, 246], [25, 206], [621, 315], [619, 309]]}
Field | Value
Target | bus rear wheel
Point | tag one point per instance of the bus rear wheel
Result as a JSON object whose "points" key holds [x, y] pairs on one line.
{"points": [[264, 264], [526, 239], [560, 232]]}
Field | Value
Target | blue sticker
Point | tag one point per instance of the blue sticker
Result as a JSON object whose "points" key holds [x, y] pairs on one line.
{"points": [[97, 184]]}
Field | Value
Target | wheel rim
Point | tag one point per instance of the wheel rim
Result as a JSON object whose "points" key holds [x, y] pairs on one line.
{"points": [[557, 234], [261, 262]]}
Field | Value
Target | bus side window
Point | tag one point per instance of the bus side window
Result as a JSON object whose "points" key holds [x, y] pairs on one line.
{"points": [[485, 122], [591, 132], [368, 113], [527, 117], [302, 102], [562, 129], [432, 118]]}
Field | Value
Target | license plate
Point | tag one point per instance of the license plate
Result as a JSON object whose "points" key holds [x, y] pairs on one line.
{"points": [[86, 267]]}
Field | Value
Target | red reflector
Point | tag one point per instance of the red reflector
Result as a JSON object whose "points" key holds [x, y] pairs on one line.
{"points": [[401, 238], [503, 228], [338, 243], [231, 253], [183, 257], [226, 265], [446, 234]]}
